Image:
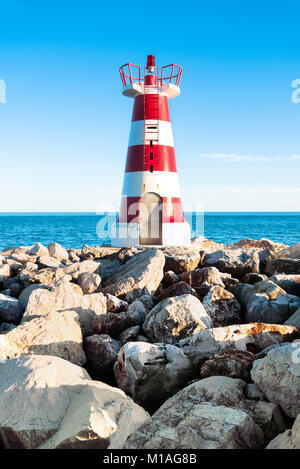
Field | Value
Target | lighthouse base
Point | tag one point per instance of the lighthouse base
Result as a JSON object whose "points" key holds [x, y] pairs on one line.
{"points": [[173, 234]]}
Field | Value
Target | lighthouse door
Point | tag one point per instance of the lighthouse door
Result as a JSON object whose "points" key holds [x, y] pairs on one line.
{"points": [[150, 219]]}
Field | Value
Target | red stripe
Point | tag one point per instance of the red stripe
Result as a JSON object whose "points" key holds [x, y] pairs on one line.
{"points": [[172, 210], [160, 157], [156, 107]]}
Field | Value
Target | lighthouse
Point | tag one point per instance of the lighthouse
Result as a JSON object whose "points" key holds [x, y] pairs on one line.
{"points": [[151, 208]]}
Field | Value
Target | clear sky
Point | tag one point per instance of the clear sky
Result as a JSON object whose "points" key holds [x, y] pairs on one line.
{"points": [[64, 126]]}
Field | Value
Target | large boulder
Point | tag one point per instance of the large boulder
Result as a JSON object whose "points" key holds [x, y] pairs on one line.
{"points": [[252, 337], [269, 288], [290, 252], [42, 302], [176, 318], [277, 375], [89, 282], [47, 276], [101, 353], [231, 363], [57, 251], [38, 249], [150, 373], [140, 275], [10, 309], [177, 289], [47, 402], [237, 262], [88, 266], [202, 279], [288, 282], [58, 334], [181, 259], [260, 308], [290, 439], [48, 261], [210, 413], [294, 320], [25, 294], [276, 265], [222, 307]]}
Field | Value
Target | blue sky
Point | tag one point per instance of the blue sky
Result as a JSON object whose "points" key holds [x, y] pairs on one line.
{"points": [[64, 126]]}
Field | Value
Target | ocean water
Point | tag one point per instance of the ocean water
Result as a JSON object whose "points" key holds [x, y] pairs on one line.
{"points": [[73, 230]]}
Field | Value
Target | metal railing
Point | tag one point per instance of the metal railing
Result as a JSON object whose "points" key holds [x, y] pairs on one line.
{"points": [[131, 73]]}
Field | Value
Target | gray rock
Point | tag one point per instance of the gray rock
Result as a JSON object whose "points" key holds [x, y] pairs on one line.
{"points": [[101, 353], [237, 262], [289, 283], [181, 259], [253, 278], [290, 439], [222, 307], [6, 327], [38, 250], [176, 318], [84, 413], [150, 373], [140, 275], [147, 301], [57, 334], [261, 309], [10, 310], [129, 335], [282, 266], [294, 320], [278, 377]]}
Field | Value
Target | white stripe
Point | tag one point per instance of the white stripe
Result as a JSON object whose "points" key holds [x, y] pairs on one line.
{"points": [[165, 135], [163, 183]]}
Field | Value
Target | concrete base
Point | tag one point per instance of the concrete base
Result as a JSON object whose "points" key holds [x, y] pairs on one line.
{"points": [[173, 234]]}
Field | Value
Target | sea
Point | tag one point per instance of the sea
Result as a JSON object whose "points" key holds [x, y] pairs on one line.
{"points": [[73, 230]]}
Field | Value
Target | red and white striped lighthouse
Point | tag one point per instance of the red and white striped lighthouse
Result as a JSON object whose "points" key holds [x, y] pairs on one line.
{"points": [[151, 208]]}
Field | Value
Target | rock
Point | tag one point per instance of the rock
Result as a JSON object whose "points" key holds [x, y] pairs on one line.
{"points": [[115, 305], [176, 318], [294, 320], [112, 323], [229, 281], [252, 392], [140, 275], [10, 310], [137, 312], [210, 413], [290, 439], [261, 309], [222, 307], [64, 286], [101, 353], [243, 292], [20, 257], [249, 337], [278, 377], [75, 270], [231, 363], [203, 426], [73, 257], [15, 288], [38, 250], [147, 301], [142, 338], [42, 302], [89, 282], [282, 266], [208, 276], [129, 335], [84, 413], [181, 259], [150, 373], [237, 262], [4, 273], [58, 334], [109, 267], [253, 278], [269, 288], [6, 327], [178, 289], [289, 283], [47, 261], [169, 278], [47, 276], [290, 252], [24, 296], [264, 247], [205, 245], [57, 251], [263, 353]]}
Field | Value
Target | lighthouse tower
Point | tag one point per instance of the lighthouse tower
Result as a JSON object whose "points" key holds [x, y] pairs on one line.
{"points": [[151, 208]]}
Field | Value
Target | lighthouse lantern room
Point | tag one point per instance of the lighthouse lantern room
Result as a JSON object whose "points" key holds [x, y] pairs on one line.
{"points": [[151, 209]]}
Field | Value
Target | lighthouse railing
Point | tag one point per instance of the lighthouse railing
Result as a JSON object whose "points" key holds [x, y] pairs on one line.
{"points": [[132, 73], [174, 74]]}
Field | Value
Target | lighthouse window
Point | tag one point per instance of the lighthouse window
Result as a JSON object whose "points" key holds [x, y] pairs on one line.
{"points": [[151, 143], [151, 156], [152, 127], [151, 168]]}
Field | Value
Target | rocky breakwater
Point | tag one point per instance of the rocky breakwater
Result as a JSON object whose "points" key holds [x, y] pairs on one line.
{"points": [[169, 348]]}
